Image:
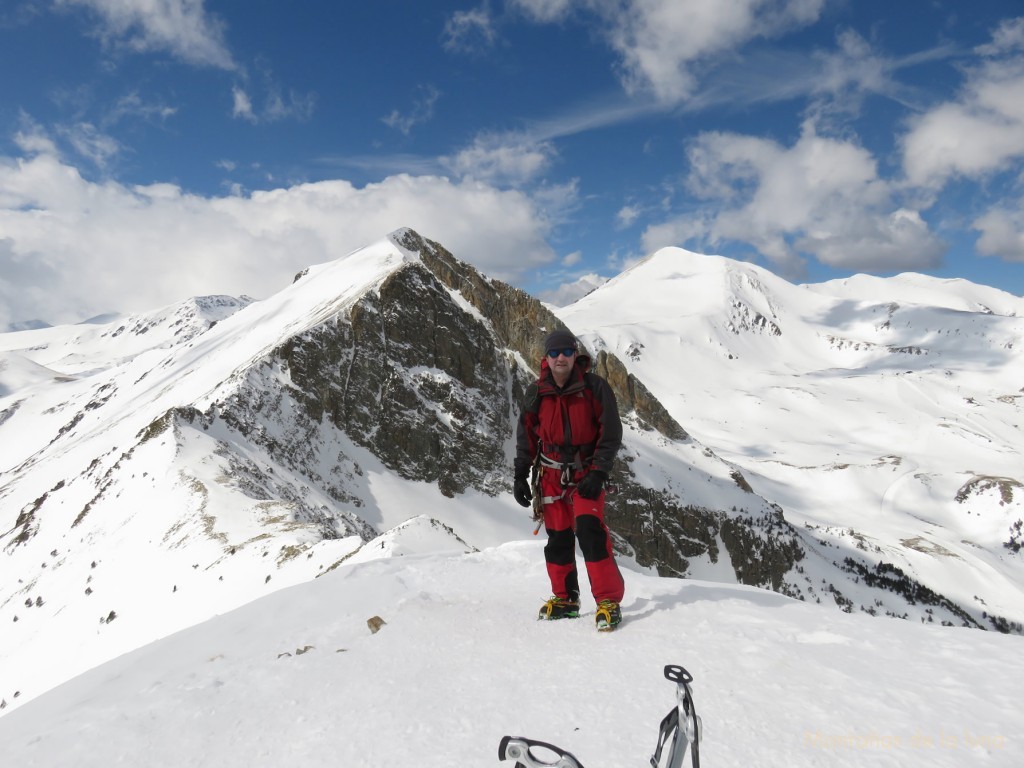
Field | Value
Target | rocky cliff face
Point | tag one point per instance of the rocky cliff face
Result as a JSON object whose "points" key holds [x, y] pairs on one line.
{"points": [[412, 377]]}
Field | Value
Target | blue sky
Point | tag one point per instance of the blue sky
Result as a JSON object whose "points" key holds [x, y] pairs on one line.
{"points": [[156, 149]]}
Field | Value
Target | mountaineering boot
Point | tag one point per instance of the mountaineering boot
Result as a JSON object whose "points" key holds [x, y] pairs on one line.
{"points": [[608, 616], [559, 608]]}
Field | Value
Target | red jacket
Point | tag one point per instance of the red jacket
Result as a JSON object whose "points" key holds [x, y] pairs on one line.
{"points": [[585, 404]]}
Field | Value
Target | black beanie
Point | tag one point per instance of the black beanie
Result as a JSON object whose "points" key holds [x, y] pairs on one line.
{"points": [[560, 339]]}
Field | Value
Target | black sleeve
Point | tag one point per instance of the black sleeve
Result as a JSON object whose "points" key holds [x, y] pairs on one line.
{"points": [[526, 432], [609, 437]]}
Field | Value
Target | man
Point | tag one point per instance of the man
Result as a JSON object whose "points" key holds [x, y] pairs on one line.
{"points": [[570, 423]]}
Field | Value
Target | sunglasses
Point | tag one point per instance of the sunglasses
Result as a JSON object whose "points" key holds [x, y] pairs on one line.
{"points": [[567, 352]]}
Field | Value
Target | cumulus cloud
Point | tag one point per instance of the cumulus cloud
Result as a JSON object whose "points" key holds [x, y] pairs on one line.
{"points": [[181, 28], [1002, 233], [506, 158], [821, 197], [981, 131], [71, 248]]}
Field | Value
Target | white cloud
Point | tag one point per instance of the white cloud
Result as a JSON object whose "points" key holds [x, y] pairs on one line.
{"points": [[32, 138], [659, 41], [1002, 233], [627, 216], [981, 132], [271, 104], [963, 139], [821, 197], [873, 241], [275, 107], [84, 139], [131, 105], [470, 31], [835, 80], [71, 248], [242, 105], [558, 201], [294, 106], [573, 291], [422, 111], [182, 28], [1007, 38], [852, 66], [92, 144], [572, 259], [544, 11], [502, 159]]}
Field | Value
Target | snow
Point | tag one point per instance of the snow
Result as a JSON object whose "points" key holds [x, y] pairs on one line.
{"points": [[873, 407], [138, 368], [298, 678], [865, 448]]}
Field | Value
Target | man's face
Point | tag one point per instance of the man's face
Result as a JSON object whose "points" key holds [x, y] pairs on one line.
{"points": [[560, 361]]}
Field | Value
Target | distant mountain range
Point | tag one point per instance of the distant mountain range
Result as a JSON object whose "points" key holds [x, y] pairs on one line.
{"points": [[853, 443]]}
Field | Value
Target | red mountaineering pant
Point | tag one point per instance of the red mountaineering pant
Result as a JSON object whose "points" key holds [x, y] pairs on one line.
{"points": [[571, 517]]}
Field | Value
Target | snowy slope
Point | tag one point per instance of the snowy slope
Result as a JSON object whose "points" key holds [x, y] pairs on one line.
{"points": [[129, 528], [298, 678], [884, 416]]}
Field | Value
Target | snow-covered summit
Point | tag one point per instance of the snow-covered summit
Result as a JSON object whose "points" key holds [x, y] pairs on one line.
{"points": [[886, 428], [676, 282]]}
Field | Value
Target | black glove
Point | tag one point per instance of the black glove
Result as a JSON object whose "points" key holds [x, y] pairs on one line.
{"points": [[521, 490], [591, 484]]}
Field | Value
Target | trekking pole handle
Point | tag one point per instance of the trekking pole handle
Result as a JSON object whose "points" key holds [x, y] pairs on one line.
{"points": [[519, 749], [677, 674]]}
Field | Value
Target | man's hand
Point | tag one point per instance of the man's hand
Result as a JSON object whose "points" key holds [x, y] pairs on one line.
{"points": [[591, 484], [521, 490]]}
